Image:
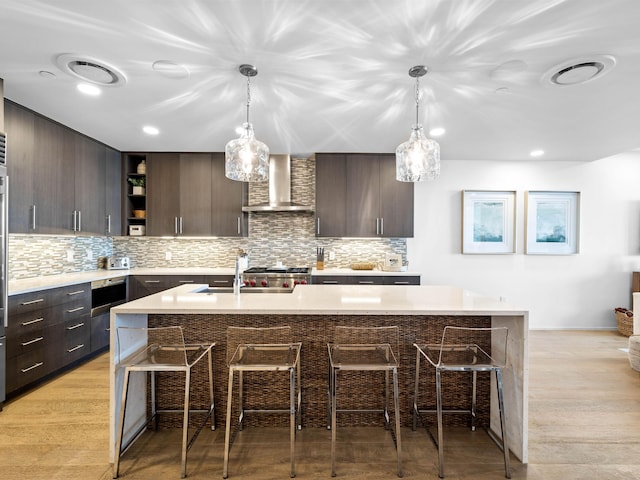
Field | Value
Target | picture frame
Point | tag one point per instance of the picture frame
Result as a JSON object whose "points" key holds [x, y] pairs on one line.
{"points": [[552, 223], [488, 222]]}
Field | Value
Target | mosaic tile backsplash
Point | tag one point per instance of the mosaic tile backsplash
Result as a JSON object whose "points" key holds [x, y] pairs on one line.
{"points": [[288, 237]]}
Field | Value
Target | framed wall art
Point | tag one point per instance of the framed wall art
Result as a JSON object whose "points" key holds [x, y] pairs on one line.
{"points": [[488, 222], [552, 223]]}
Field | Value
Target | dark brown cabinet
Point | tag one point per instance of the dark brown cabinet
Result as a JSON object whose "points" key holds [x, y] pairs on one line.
{"points": [[143, 285], [113, 193], [47, 330], [357, 195], [365, 280], [58, 177], [188, 194]]}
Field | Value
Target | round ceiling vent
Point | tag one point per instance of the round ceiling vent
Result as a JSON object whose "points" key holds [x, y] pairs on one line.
{"points": [[90, 70], [578, 71]]}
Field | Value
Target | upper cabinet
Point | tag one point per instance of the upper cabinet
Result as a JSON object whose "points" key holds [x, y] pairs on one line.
{"points": [[188, 194], [357, 195], [57, 176]]}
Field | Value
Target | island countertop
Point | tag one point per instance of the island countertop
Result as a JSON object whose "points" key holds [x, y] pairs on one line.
{"points": [[324, 300]]}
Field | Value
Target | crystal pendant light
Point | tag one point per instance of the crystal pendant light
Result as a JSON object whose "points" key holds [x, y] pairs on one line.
{"points": [[247, 159], [418, 158]]}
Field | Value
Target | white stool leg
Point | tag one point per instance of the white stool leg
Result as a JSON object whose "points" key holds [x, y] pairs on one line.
{"points": [[503, 424], [227, 434], [123, 407], [440, 433]]}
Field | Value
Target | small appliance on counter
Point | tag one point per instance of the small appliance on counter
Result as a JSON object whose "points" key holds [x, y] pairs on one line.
{"points": [[136, 230], [118, 263], [392, 262]]}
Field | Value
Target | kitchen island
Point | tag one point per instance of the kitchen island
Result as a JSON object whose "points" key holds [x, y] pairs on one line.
{"points": [[313, 311]]}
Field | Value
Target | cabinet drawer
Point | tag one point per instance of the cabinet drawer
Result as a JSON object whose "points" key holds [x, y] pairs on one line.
{"points": [[331, 280], [27, 368], [73, 293], [74, 309], [31, 321], [219, 280], [28, 302], [402, 280], [367, 280], [77, 339], [28, 341]]}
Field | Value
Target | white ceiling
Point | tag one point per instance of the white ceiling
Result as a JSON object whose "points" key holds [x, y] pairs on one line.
{"points": [[333, 75]]}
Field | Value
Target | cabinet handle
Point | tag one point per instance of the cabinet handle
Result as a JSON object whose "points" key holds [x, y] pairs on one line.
{"points": [[381, 225], [35, 340], [328, 282], [79, 220], [35, 365], [77, 325], [73, 310], [185, 281], [175, 225], [74, 221], [221, 281], [33, 217], [239, 231], [152, 281], [31, 322], [77, 347], [318, 226], [401, 283], [31, 302], [77, 292], [365, 282], [377, 226], [108, 223]]}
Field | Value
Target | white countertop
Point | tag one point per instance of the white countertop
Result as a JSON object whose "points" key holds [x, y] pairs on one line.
{"points": [[349, 271], [324, 300], [54, 281]]}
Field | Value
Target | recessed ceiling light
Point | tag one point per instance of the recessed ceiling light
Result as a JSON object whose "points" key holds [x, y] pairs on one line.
{"points": [[536, 153], [88, 89], [436, 132], [149, 130]]}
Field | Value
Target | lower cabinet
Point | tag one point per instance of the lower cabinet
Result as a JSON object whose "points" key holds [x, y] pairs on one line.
{"points": [[143, 285], [365, 280], [47, 330], [100, 331]]}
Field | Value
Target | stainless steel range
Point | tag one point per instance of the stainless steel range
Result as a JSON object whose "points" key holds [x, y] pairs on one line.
{"points": [[275, 279]]}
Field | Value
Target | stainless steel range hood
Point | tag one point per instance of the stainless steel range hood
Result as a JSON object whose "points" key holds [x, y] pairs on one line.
{"points": [[279, 189]]}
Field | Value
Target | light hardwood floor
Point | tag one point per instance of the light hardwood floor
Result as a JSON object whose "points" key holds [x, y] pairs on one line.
{"points": [[584, 423]]}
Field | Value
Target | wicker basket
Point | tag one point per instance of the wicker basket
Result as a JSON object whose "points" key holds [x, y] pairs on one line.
{"points": [[363, 266], [625, 321]]}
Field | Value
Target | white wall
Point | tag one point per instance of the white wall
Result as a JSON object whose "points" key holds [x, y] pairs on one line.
{"points": [[574, 291]]}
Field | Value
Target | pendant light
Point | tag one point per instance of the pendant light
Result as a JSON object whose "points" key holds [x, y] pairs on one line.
{"points": [[418, 158], [247, 159]]}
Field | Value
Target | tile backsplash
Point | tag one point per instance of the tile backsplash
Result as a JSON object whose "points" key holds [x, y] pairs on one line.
{"points": [[288, 237]]}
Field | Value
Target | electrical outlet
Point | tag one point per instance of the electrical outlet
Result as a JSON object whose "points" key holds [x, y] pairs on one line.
{"points": [[167, 255], [69, 255], [89, 254], [332, 255]]}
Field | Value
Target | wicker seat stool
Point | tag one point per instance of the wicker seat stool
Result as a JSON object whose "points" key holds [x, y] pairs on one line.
{"points": [[152, 350], [269, 349], [464, 349], [365, 349]]}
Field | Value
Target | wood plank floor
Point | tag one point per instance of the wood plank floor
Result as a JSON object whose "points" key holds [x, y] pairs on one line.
{"points": [[584, 424]]}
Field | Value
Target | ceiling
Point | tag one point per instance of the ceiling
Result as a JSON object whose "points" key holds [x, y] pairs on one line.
{"points": [[333, 74]]}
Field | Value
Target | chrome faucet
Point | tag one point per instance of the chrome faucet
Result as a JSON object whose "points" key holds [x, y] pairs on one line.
{"points": [[236, 279]]}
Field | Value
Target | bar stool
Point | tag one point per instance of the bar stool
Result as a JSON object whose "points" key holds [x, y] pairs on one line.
{"points": [[465, 349], [269, 349], [154, 350], [364, 349]]}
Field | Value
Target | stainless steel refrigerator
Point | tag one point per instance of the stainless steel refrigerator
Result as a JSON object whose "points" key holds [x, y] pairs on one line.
{"points": [[4, 277]]}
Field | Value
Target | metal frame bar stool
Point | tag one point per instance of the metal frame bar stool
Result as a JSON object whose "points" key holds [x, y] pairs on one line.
{"points": [[270, 349], [465, 349], [364, 349], [160, 349]]}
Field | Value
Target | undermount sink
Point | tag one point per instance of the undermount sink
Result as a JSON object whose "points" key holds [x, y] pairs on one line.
{"points": [[214, 290]]}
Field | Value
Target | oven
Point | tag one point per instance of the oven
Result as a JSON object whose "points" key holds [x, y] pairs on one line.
{"points": [[107, 293]]}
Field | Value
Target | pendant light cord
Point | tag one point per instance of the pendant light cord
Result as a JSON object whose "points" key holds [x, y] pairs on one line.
{"points": [[417, 99], [248, 96]]}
